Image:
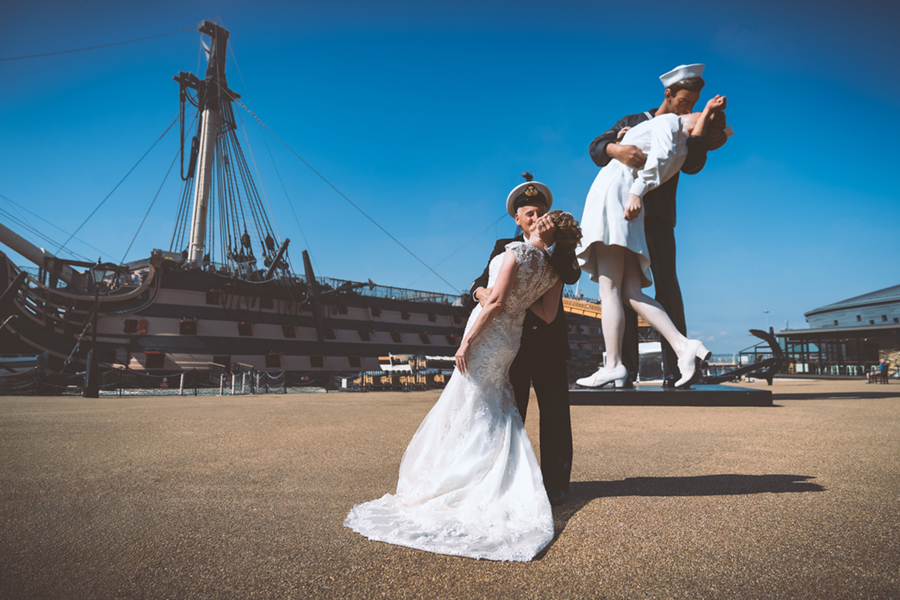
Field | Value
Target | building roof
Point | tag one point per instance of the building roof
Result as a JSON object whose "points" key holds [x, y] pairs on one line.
{"points": [[837, 331], [891, 294]]}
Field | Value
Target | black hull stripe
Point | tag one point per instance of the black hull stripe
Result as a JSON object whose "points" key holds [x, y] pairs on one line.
{"points": [[216, 313]]}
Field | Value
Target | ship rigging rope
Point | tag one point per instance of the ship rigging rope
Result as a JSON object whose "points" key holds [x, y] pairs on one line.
{"points": [[172, 124], [149, 37], [257, 213], [147, 214], [341, 194], [253, 160], [291, 205], [180, 222], [21, 222], [277, 171], [234, 174], [449, 256]]}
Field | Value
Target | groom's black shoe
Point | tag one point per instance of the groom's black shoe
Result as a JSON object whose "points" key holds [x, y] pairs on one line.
{"points": [[557, 498], [669, 382]]}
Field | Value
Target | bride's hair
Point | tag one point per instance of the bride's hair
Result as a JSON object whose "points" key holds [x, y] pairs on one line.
{"points": [[715, 129], [715, 135], [567, 231]]}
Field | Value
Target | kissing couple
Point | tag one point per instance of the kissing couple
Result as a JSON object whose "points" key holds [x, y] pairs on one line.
{"points": [[469, 483]]}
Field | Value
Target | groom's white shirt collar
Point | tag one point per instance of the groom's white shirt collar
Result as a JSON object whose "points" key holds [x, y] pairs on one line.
{"points": [[550, 248]]}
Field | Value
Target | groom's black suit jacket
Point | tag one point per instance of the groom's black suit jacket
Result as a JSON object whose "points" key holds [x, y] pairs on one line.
{"points": [[550, 340]]}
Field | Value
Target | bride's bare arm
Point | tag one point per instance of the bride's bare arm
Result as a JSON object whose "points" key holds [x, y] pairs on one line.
{"points": [[547, 305], [492, 308]]}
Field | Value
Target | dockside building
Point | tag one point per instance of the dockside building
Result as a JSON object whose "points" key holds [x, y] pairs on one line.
{"points": [[847, 338]]}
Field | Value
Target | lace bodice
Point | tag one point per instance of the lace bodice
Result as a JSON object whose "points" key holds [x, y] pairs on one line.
{"points": [[534, 276], [492, 353]]}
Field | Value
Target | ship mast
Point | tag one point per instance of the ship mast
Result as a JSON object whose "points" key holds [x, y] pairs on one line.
{"points": [[220, 198], [211, 91]]}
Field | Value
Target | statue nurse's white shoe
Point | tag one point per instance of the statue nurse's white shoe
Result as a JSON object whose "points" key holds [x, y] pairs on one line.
{"points": [[687, 363], [602, 377]]}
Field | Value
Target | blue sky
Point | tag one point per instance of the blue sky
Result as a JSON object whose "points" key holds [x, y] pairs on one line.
{"points": [[424, 114]]}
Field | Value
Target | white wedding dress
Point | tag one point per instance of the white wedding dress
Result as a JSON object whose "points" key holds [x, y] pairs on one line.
{"points": [[470, 484]]}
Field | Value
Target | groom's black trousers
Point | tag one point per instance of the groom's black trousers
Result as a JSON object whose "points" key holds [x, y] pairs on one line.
{"points": [[550, 381], [661, 246]]}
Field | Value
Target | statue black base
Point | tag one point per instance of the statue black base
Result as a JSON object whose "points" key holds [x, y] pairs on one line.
{"points": [[656, 395]]}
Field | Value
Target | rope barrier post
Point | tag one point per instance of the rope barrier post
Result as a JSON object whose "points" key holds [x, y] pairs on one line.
{"points": [[221, 384], [37, 381]]}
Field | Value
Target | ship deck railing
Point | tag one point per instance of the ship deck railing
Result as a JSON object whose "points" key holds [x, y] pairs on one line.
{"points": [[214, 381], [124, 282], [383, 291]]}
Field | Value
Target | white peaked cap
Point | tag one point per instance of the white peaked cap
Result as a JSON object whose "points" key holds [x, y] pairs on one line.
{"points": [[524, 192], [681, 72]]}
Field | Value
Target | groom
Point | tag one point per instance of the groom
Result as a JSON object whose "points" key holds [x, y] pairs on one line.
{"points": [[542, 356], [682, 90]]}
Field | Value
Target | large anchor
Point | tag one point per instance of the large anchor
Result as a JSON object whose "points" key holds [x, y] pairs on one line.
{"points": [[764, 369]]}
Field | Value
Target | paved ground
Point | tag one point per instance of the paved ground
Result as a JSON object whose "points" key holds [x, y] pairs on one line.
{"points": [[244, 497]]}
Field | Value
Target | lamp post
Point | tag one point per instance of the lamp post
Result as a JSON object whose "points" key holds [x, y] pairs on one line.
{"points": [[91, 387]]}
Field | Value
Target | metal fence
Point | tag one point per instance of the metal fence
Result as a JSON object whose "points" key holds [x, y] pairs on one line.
{"points": [[40, 381]]}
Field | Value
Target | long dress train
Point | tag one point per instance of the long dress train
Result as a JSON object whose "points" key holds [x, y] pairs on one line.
{"points": [[470, 484]]}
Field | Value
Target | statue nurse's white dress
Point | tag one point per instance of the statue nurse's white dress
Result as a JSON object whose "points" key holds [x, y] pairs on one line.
{"points": [[663, 141]]}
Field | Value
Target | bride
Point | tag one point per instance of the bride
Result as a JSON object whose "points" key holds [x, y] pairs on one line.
{"points": [[470, 484]]}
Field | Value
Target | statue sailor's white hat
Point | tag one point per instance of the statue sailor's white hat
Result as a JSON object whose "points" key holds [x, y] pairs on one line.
{"points": [[681, 72], [526, 193]]}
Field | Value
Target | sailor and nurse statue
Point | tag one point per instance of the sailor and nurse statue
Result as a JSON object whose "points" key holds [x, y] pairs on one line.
{"points": [[469, 483]]}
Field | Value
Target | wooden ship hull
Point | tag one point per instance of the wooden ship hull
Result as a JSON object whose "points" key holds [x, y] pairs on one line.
{"points": [[161, 319]]}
